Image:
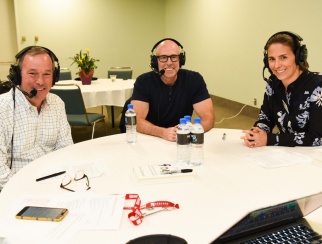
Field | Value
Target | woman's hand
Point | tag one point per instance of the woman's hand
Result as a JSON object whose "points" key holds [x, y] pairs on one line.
{"points": [[255, 137]]}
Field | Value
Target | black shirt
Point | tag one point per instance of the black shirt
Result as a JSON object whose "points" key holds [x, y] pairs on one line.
{"points": [[297, 112], [167, 104]]}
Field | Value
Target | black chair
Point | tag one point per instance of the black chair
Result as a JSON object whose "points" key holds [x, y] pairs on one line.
{"points": [[122, 121], [75, 107], [65, 74], [5, 86], [158, 239], [124, 73]]}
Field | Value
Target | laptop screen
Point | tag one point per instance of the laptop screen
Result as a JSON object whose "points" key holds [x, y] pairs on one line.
{"points": [[273, 216]]}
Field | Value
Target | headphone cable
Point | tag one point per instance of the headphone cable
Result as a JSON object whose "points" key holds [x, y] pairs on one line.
{"points": [[232, 116], [13, 121]]}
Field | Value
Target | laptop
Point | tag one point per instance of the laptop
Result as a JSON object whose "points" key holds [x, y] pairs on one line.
{"points": [[283, 221]]}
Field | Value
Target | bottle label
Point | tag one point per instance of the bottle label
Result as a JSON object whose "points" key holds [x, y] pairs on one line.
{"points": [[183, 139], [197, 138], [130, 120]]}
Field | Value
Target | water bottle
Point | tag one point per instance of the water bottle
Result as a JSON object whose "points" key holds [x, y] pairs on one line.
{"points": [[197, 141], [188, 121], [130, 124], [183, 142]]}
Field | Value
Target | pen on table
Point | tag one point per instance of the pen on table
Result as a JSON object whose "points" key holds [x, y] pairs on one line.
{"points": [[176, 171], [224, 136], [50, 176]]}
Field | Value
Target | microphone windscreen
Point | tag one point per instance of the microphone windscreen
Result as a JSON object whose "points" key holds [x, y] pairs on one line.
{"points": [[33, 93], [162, 72]]}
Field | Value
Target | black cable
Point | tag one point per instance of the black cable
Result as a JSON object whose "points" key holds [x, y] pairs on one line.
{"points": [[13, 121]]}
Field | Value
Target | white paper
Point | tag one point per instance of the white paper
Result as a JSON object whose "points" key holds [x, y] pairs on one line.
{"points": [[277, 158]]}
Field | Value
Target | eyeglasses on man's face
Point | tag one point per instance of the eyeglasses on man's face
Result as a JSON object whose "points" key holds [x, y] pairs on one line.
{"points": [[164, 58], [67, 179]]}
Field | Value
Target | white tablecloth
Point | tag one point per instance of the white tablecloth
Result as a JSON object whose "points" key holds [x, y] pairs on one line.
{"points": [[227, 187], [104, 92]]}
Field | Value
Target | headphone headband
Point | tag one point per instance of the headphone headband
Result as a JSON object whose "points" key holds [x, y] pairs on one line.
{"points": [[165, 39], [15, 72], [26, 49], [291, 34]]}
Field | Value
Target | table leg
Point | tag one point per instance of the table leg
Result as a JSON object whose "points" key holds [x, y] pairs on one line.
{"points": [[112, 112]]}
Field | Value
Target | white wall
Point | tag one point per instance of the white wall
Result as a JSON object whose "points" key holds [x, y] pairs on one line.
{"points": [[118, 32], [224, 39]]}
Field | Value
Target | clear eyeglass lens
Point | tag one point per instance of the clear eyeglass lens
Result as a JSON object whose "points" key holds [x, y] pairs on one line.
{"points": [[66, 180], [164, 58], [79, 175]]}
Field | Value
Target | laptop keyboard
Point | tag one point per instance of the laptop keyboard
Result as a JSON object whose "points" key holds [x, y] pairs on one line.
{"points": [[294, 234]]}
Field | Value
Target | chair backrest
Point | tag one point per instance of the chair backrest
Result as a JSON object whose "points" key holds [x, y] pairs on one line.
{"points": [[122, 120], [72, 97], [124, 73], [65, 74], [5, 86], [158, 239]]}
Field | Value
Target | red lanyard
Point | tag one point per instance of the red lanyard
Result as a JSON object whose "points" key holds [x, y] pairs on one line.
{"points": [[136, 216]]}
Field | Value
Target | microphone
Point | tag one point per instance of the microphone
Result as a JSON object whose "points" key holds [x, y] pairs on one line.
{"points": [[265, 79], [32, 93], [270, 71], [161, 72]]}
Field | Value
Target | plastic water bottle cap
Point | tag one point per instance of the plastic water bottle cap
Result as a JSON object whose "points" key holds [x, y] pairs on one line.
{"points": [[197, 120], [187, 117], [183, 121], [130, 106]]}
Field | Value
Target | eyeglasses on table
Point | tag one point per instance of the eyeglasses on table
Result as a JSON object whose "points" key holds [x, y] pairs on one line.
{"points": [[67, 179]]}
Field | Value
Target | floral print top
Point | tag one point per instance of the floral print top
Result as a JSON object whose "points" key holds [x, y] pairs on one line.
{"points": [[297, 112]]}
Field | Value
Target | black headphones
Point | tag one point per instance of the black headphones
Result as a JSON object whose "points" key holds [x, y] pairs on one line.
{"points": [[154, 59], [300, 52], [15, 72]]}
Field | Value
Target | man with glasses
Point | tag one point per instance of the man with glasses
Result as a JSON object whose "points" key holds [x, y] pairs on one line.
{"points": [[166, 94]]}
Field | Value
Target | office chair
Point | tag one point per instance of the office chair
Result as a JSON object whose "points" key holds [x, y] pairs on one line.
{"points": [[5, 86], [158, 239], [65, 74], [124, 73], [75, 107], [122, 121]]}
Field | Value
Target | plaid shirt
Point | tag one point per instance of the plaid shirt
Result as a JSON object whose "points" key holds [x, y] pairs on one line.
{"points": [[34, 134]]}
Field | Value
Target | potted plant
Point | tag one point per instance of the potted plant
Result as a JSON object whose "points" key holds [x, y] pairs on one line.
{"points": [[86, 66]]}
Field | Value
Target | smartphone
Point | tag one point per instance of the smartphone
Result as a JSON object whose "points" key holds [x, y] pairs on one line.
{"points": [[42, 213]]}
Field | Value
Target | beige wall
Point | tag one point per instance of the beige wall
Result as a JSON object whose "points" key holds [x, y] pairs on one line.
{"points": [[223, 39], [8, 42], [118, 32]]}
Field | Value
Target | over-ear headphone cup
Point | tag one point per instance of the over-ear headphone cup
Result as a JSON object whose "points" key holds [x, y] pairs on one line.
{"points": [[182, 59], [265, 60], [14, 74], [154, 62], [56, 75], [301, 54]]}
